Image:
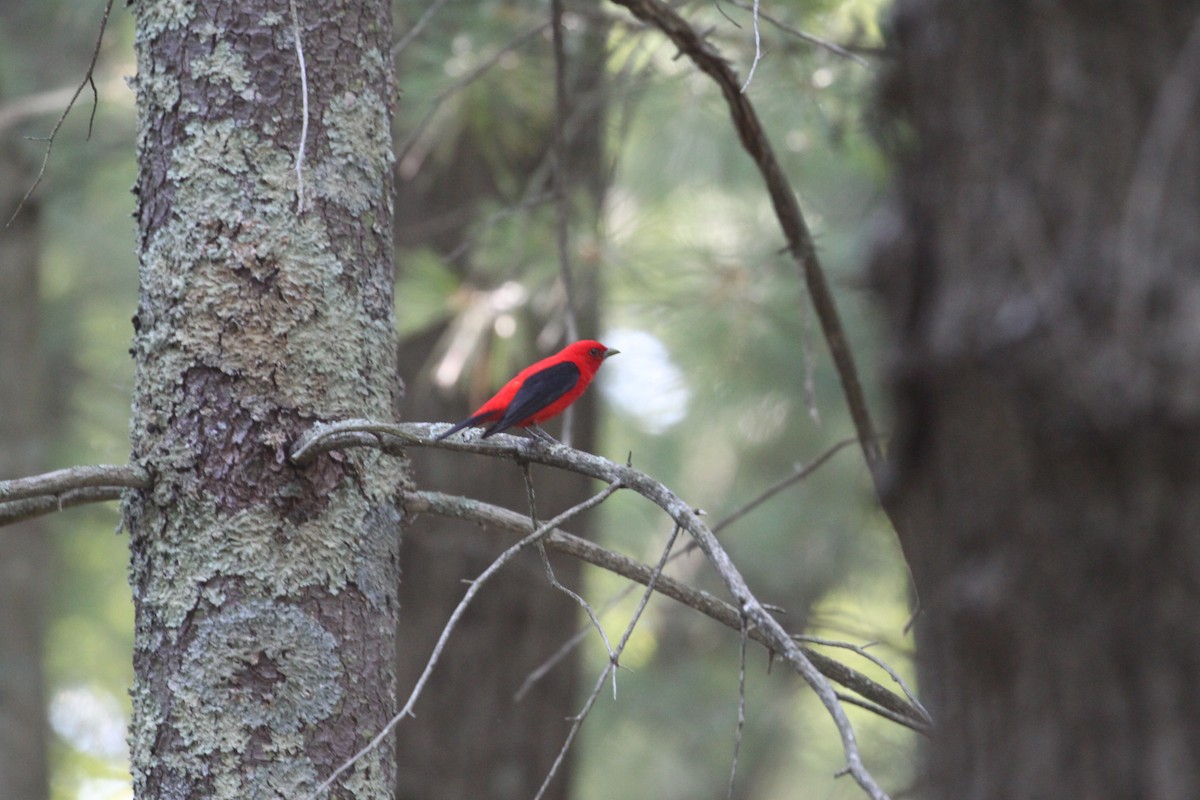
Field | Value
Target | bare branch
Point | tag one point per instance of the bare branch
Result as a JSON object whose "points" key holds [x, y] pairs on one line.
{"points": [[491, 516], [799, 473], [875, 709], [611, 666], [19, 109], [64, 480], [832, 47], [554, 582], [741, 710], [879, 662], [503, 446], [88, 80], [491, 220], [466, 80], [21, 510], [745, 86]]}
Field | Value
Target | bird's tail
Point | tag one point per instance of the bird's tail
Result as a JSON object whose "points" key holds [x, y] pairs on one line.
{"points": [[466, 423]]}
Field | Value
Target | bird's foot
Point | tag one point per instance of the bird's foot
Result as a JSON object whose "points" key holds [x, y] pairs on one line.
{"points": [[542, 436]]}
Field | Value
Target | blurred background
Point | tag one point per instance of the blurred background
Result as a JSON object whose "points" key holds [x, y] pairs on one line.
{"points": [[722, 388]]}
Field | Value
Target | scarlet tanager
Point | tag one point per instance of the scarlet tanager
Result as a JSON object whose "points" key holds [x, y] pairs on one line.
{"points": [[540, 391]]}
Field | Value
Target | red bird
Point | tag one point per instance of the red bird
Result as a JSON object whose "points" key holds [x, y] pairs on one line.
{"points": [[540, 391]]}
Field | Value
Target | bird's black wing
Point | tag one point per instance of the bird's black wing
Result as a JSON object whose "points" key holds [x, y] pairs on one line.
{"points": [[538, 391]]}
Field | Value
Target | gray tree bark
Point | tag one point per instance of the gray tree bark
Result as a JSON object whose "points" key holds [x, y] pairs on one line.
{"points": [[265, 594], [1042, 276]]}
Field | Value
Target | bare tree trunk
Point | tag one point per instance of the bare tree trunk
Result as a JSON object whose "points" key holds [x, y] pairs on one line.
{"points": [[24, 548], [265, 594], [1044, 291]]}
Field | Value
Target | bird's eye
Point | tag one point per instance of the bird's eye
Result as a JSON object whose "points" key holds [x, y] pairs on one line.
{"points": [[596, 352]]}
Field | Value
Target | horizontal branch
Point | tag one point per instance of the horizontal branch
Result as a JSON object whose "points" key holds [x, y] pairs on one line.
{"points": [[20, 510], [23, 498], [469, 510], [64, 480], [26, 498], [336, 435]]}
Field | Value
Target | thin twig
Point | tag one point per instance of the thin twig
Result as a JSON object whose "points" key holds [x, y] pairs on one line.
{"points": [[304, 109], [554, 582], [524, 204], [741, 710], [564, 650], [799, 473], [18, 109], [88, 80], [879, 662], [832, 47], [416, 29], [472, 590], [745, 86], [612, 664], [875, 709]]}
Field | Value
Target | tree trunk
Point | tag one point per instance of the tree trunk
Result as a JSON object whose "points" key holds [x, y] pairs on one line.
{"points": [[265, 594], [1044, 292], [24, 548]]}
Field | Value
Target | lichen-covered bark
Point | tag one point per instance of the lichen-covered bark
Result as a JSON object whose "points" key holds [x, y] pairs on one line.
{"points": [[265, 594], [1041, 277]]}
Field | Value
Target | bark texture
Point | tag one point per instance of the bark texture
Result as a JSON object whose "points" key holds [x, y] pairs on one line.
{"points": [[1042, 274], [265, 594]]}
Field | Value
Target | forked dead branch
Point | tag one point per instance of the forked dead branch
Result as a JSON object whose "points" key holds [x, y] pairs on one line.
{"points": [[394, 437]]}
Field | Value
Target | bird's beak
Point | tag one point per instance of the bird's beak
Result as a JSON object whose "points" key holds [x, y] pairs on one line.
{"points": [[610, 353]]}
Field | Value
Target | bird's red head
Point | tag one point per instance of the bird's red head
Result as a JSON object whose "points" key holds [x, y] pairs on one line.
{"points": [[588, 353]]}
